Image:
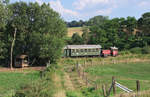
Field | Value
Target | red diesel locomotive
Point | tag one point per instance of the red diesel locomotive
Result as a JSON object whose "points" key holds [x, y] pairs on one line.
{"points": [[113, 51]]}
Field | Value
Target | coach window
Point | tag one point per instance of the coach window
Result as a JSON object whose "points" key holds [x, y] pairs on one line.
{"points": [[73, 50], [77, 50], [85, 50], [97, 49], [89, 50], [81, 50]]}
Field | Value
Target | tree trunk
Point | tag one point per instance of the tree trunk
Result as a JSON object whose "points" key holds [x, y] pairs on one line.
{"points": [[12, 48]]}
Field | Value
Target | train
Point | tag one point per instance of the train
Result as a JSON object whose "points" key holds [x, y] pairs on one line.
{"points": [[88, 51]]}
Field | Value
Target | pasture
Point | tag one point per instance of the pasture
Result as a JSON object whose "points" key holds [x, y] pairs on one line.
{"points": [[10, 81], [127, 69], [126, 74]]}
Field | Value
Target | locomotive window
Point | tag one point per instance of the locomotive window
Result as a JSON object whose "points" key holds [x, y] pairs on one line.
{"points": [[77, 50], [82, 50], [73, 51]]}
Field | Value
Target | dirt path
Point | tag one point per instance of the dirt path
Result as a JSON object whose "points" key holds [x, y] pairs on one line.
{"points": [[4, 69], [58, 86], [68, 84]]}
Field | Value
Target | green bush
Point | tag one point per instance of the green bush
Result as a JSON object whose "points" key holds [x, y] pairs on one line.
{"points": [[146, 50], [73, 94], [136, 50], [126, 52]]}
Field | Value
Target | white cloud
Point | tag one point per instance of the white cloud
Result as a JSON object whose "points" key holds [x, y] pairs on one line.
{"points": [[57, 6], [104, 11], [144, 4], [81, 4]]}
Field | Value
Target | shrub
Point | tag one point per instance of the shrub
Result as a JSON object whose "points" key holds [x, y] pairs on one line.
{"points": [[146, 50], [126, 52], [136, 50], [73, 94]]}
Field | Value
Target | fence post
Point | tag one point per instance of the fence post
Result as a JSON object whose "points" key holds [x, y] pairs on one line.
{"points": [[79, 72], [77, 65], [91, 62], [113, 83], [138, 86], [83, 75], [104, 90], [86, 81], [96, 86], [84, 63]]}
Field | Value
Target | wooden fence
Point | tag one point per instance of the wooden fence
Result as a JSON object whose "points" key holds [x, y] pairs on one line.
{"points": [[106, 92]]}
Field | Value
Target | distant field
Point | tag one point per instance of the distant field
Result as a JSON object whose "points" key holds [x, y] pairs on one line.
{"points": [[73, 30]]}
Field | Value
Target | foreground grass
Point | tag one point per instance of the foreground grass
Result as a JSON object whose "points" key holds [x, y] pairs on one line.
{"points": [[11, 81], [126, 74], [126, 69]]}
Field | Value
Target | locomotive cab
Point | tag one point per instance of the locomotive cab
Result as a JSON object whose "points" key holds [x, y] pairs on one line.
{"points": [[114, 51]]}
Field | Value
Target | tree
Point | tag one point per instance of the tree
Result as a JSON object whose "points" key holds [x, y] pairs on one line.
{"points": [[40, 31], [85, 35], [4, 15], [76, 39], [97, 20], [144, 23], [130, 24], [98, 35]]}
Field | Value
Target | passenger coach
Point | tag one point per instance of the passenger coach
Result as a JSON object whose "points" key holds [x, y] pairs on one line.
{"points": [[82, 50]]}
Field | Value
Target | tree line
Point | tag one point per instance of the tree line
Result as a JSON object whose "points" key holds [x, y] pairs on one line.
{"points": [[125, 33], [40, 32]]}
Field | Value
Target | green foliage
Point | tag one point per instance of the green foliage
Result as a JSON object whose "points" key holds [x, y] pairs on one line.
{"points": [[97, 20], [144, 23], [90, 92], [125, 52], [136, 50], [40, 32], [76, 39], [146, 50], [85, 35], [73, 94]]}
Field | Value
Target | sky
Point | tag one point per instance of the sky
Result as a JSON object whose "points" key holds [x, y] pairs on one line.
{"points": [[85, 9]]}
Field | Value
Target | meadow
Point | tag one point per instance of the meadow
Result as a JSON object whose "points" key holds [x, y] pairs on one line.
{"points": [[12, 81], [126, 74], [127, 69]]}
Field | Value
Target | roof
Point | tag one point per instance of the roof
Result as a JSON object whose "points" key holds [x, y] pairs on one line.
{"points": [[82, 46], [114, 47], [22, 56]]}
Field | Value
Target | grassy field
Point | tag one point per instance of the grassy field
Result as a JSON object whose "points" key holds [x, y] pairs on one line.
{"points": [[73, 30], [11, 81], [126, 74], [127, 70]]}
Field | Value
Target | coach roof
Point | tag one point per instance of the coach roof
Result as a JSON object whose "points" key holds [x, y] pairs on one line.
{"points": [[82, 46]]}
